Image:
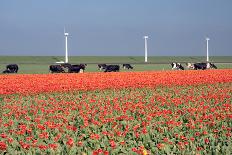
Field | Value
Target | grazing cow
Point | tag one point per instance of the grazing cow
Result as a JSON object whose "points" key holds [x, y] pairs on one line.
{"points": [[83, 66], [127, 66], [56, 69], [213, 65], [77, 68], [11, 68], [101, 66], [177, 66], [202, 66], [112, 68]]}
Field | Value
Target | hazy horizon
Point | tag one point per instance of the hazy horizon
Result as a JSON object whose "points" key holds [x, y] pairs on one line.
{"points": [[114, 56], [115, 28]]}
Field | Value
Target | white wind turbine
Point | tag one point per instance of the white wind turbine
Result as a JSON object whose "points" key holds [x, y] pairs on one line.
{"points": [[207, 49], [145, 47], [66, 46]]}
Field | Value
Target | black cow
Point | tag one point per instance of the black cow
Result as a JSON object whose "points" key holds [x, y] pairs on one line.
{"points": [[11, 68], [201, 66], [127, 66], [177, 66], [101, 66], [112, 68], [56, 69], [77, 68]]}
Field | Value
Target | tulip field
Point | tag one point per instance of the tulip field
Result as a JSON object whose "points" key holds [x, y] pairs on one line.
{"points": [[149, 112]]}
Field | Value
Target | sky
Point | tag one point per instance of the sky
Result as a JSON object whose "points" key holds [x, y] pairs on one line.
{"points": [[115, 27]]}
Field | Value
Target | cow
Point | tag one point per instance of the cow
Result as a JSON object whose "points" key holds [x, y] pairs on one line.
{"points": [[11, 68], [127, 66], [177, 66], [213, 66], [112, 68], [77, 68], [83, 66], [101, 66], [56, 69], [202, 66]]}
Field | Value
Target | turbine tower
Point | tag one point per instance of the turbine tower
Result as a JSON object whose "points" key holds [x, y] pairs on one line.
{"points": [[66, 46], [145, 47], [207, 49]]}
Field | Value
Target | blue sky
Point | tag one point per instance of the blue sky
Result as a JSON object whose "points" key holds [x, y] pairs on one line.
{"points": [[116, 27]]}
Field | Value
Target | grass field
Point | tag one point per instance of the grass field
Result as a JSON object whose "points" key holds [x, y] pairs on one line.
{"points": [[39, 64]]}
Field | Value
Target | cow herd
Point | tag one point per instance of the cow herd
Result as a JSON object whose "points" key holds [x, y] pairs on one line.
{"points": [[113, 68], [80, 68], [67, 68], [194, 66]]}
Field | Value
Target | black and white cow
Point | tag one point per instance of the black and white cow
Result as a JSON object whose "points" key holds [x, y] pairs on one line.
{"points": [[213, 66], [112, 68], [77, 68], [56, 69], [101, 66], [204, 66], [83, 66], [201, 66], [11, 68], [177, 66], [127, 66]]}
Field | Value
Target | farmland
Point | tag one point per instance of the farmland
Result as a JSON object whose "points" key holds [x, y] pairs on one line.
{"points": [[40, 64], [149, 112]]}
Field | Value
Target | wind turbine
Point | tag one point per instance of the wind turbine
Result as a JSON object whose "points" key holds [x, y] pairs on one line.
{"points": [[207, 49], [66, 46], [145, 47]]}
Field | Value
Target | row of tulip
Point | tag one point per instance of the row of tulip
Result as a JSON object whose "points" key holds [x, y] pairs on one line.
{"points": [[37, 83]]}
